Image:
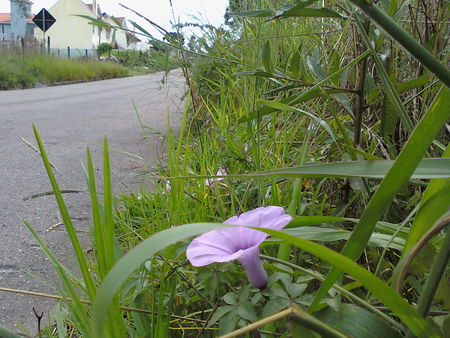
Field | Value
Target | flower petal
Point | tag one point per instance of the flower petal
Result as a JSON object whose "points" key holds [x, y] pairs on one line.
{"points": [[224, 245]]}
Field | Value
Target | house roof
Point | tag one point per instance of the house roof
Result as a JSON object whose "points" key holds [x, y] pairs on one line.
{"points": [[119, 19], [6, 17], [131, 36]]}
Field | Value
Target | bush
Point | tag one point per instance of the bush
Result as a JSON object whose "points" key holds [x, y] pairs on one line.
{"points": [[104, 48]]}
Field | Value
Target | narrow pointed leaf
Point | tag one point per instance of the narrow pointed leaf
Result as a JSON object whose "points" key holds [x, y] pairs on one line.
{"points": [[79, 253], [376, 286], [133, 260], [400, 172]]}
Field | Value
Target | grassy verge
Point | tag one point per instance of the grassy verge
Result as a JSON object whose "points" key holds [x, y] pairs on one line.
{"points": [[139, 62], [25, 72]]}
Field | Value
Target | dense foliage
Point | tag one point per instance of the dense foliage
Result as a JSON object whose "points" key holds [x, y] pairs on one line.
{"points": [[322, 90]]}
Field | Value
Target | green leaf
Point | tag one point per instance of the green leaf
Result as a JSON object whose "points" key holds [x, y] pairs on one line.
{"points": [[356, 322], [261, 13], [128, 263], [140, 28], [299, 9], [274, 305], [435, 202], [266, 57], [79, 253], [427, 168], [376, 286], [389, 117], [313, 62], [310, 12], [247, 311], [312, 92], [230, 298], [314, 220], [281, 106], [94, 21], [320, 234], [219, 313], [6, 333], [401, 171]]}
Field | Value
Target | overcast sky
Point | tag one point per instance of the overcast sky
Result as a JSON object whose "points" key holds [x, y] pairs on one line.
{"points": [[205, 11]]}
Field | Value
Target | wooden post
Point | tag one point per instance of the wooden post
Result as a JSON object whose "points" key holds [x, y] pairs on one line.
{"points": [[68, 52]]}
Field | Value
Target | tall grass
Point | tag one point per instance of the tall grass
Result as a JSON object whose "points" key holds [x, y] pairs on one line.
{"points": [[308, 108], [26, 72]]}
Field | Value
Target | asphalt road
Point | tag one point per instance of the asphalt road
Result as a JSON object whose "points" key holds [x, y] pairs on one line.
{"points": [[69, 118]]}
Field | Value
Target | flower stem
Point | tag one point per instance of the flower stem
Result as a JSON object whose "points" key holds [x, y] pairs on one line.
{"points": [[256, 274]]}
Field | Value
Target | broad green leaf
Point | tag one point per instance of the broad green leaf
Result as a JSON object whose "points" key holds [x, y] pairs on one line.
{"points": [[389, 117], [230, 298], [313, 62], [411, 84], [294, 66], [320, 234], [266, 57], [401, 171], [247, 311], [219, 313], [376, 286], [427, 168], [435, 202], [128, 263], [356, 322], [314, 220], [6, 333]]}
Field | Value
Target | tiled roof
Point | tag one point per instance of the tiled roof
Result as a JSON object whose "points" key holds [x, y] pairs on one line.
{"points": [[6, 17], [119, 19]]}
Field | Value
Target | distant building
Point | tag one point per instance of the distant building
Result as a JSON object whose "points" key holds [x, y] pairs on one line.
{"points": [[17, 24], [76, 32]]}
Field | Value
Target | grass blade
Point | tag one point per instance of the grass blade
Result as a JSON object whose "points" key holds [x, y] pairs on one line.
{"points": [[381, 290], [108, 230], [99, 235], [401, 171], [81, 258], [133, 260], [434, 204]]}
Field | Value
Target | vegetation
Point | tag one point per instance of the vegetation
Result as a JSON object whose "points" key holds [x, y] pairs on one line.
{"points": [[315, 109], [145, 62], [17, 71]]}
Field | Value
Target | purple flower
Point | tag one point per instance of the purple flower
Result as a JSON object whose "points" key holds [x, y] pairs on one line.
{"points": [[224, 245], [209, 181]]}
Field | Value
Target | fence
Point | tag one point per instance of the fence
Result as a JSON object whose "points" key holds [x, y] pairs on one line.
{"points": [[33, 46]]}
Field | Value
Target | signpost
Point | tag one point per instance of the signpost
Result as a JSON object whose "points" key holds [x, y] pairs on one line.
{"points": [[44, 20]]}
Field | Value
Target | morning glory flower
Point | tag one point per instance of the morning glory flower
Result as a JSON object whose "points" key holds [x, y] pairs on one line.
{"points": [[210, 181], [224, 245]]}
